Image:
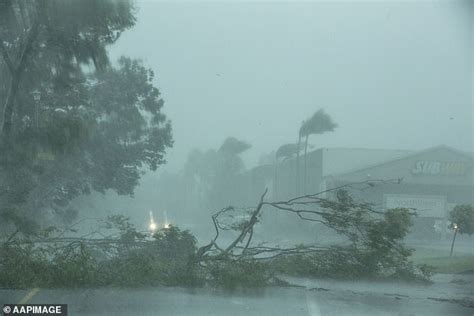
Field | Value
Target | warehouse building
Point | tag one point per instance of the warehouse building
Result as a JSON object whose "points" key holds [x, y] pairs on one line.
{"points": [[430, 181]]}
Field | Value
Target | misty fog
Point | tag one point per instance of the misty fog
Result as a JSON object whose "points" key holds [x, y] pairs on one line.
{"points": [[255, 69], [236, 157]]}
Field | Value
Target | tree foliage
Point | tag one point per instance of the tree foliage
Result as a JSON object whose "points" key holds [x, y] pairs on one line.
{"points": [[234, 146], [372, 245], [71, 123], [463, 217], [319, 123], [53, 40], [100, 139], [212, 169], [117, 254], [286, 151]]}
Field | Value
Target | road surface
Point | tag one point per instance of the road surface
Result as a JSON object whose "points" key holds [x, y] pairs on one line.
{"points": [[314, 297]]}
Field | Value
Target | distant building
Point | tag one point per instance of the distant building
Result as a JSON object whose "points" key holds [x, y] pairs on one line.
{"points": [[432, 181], [280, 179]]}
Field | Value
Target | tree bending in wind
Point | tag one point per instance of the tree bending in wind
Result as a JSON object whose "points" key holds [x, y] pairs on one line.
{"points": [[67, 130], [317, 124], [286, 151], [63, 35]]}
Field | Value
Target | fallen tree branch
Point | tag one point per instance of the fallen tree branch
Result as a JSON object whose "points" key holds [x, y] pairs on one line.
{"points": [[339, 212]]}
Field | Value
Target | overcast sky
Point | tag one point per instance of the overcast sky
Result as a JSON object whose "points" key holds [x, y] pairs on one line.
{"points": [[392, 74]]}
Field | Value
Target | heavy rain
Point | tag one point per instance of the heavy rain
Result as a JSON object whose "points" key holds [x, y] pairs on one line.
{"points": [[236, 157]]}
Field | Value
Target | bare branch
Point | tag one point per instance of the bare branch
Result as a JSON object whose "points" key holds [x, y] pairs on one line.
{"points": [[343, 215], [6, 57], [12, 236], [250, 224]]}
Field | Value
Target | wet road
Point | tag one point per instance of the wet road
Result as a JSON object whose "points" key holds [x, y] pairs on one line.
{"points": [[316, 298]]}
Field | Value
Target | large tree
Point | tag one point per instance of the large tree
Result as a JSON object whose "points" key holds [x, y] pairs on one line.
{"points": [[319, 123], [462, 221], [53, 38], [213, 172], [69, 128], [286, 151], [99, 137]]}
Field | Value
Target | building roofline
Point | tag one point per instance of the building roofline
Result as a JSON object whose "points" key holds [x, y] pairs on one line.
{"points": [[412, 154], [348, 148]]}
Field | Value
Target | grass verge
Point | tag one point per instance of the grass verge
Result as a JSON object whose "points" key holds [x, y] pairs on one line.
{"points": [[455, 264]]}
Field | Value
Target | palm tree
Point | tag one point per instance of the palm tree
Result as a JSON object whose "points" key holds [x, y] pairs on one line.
{"points": [[298, 149], [283, 153], [286, 151], [228, 165], [319, 123], [234, 146]]}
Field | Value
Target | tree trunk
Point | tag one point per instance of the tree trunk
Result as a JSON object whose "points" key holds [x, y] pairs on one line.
{"points": [[305, 164], [298, 166], [452, 244], [275, 182], [8, 107], [16, 69]]}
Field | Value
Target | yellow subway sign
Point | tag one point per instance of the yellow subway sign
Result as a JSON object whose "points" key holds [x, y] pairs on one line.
{"points": [[443, 168]]}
